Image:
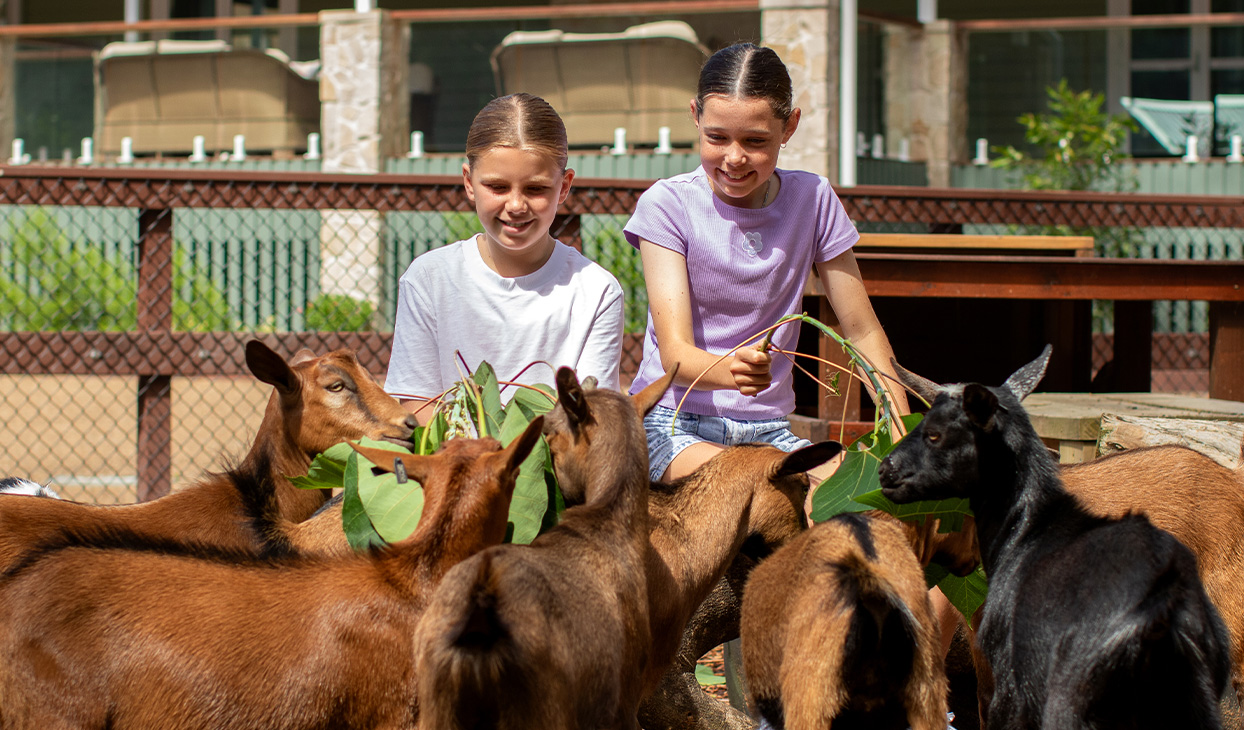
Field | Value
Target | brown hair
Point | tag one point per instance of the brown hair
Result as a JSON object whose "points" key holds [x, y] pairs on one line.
{"points": [[521, 121], [747, 71]]}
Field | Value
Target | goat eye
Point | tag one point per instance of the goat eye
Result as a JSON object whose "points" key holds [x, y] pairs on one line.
{"points": [[933, 437], [337, 386]]}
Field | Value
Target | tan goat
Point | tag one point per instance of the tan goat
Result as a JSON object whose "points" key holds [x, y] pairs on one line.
{"points": [[1191, 496], [317, 402], [108, 629], [554, 635], [837, 629]]}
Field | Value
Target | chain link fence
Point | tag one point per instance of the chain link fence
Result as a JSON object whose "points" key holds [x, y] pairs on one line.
{"points": [[127, 295]]}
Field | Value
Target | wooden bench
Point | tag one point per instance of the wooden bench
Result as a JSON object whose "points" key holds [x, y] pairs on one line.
{"points": [[973, 316], [976, 244]]}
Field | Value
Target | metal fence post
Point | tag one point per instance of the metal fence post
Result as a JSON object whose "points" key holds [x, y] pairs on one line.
{"points": [[155, 316]]}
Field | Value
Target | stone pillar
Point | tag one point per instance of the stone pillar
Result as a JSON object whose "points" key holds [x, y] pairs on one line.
{"points": [[805, 34], [364, 120], [926, 95]]}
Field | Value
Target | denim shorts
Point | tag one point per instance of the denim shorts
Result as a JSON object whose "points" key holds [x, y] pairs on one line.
{"points": [[689, 428]]}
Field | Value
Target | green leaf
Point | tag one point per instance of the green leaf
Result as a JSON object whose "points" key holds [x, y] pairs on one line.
{"points": [[949, 511], [965, 594], [533, 403], [705, 676], [393, 509], [857, 475], [531, 494], [428, 439], [327, 470], [359, 531], [490, 394]]}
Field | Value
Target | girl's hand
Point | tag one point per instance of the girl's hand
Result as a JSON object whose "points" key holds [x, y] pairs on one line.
{"points": [[750, 369]]}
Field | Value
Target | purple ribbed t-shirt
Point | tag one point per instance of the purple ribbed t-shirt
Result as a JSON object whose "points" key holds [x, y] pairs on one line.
{"points": [[746, 268]]}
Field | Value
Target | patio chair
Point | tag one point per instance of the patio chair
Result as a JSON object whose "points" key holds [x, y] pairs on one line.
{"points": [[1228, 116], [162, 94], [1170, 122], [642, 79]]}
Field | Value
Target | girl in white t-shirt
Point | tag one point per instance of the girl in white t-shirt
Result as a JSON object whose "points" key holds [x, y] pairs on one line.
{"points": [[513, 295]]}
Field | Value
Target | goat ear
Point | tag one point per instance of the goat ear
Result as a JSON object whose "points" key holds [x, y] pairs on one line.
{"points": [[571, 398], [980, 405], [919, 385], [809, 457], [1023, 381], [270, 367], [383, 459], [646, 399], [522, 444]]}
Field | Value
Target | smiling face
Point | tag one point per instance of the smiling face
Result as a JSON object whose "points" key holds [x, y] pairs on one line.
{"points": [[739, 143], [516, 193]]}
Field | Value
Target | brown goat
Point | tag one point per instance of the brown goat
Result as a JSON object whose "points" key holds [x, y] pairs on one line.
{"points": [[837, 630], [554, 635], [110, 630], [1191, 496], [317, 402], [698, 524]]}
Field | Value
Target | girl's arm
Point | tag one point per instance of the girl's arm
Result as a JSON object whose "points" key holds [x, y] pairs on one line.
{"points": [[844, 287], [669, 300]]}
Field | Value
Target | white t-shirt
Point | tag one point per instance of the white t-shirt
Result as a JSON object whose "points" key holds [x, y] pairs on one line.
{"points": [[569, 312]]}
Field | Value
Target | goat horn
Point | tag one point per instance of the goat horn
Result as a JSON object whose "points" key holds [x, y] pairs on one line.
{"points": [[919, 385], [1023, 381]]}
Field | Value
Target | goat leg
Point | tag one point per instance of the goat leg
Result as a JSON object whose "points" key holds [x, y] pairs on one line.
{"points": [[679, 703]]}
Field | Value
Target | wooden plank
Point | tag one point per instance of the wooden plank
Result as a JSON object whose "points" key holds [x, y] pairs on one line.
{"points": [[1226, 350], [1077, 416], [974, 241], [1046, 277]]}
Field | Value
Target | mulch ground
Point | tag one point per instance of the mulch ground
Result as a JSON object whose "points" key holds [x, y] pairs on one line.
{"points": [[713, 660]]}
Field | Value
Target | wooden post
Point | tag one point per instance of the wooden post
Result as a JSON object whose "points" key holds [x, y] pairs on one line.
{"points": [[1133, 346], [155, 314], [1226, 350]]}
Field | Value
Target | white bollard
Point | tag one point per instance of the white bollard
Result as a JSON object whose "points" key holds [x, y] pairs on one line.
{"points": [[19, 156], [663, 142], [1190, 154], [127, 151], [88, 152], [904, 150], [878, 146], [239, 148], [619, 141], [313, 146], [198, 149], [861, 144], [982, 152], [1237, 154], [416, 145]]}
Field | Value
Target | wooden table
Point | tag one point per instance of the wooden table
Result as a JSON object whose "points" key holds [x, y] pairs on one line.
{"points": [[971, 317]]}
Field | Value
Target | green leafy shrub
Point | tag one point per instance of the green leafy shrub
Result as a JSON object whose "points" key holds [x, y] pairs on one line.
{"points": [[339, 313], [50, 283]]}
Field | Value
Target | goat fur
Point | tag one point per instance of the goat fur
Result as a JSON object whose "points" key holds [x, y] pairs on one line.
{"points": [[1090, 621], [554, 635], [113, 629], [838, 631]]}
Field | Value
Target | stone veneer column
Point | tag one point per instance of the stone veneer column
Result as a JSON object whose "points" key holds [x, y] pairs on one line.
{"points": [[926, 95], [364, 120], [805, 34]]}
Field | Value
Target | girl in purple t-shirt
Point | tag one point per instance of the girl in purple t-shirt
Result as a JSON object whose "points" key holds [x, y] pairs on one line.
{"points": [[726, 251]]}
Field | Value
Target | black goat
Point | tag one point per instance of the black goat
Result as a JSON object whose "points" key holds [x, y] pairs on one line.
{"points": [[1090, 622]]}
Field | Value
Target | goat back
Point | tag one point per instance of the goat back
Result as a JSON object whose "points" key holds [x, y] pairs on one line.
{"points": [[1102, 621], [837, 628]]}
